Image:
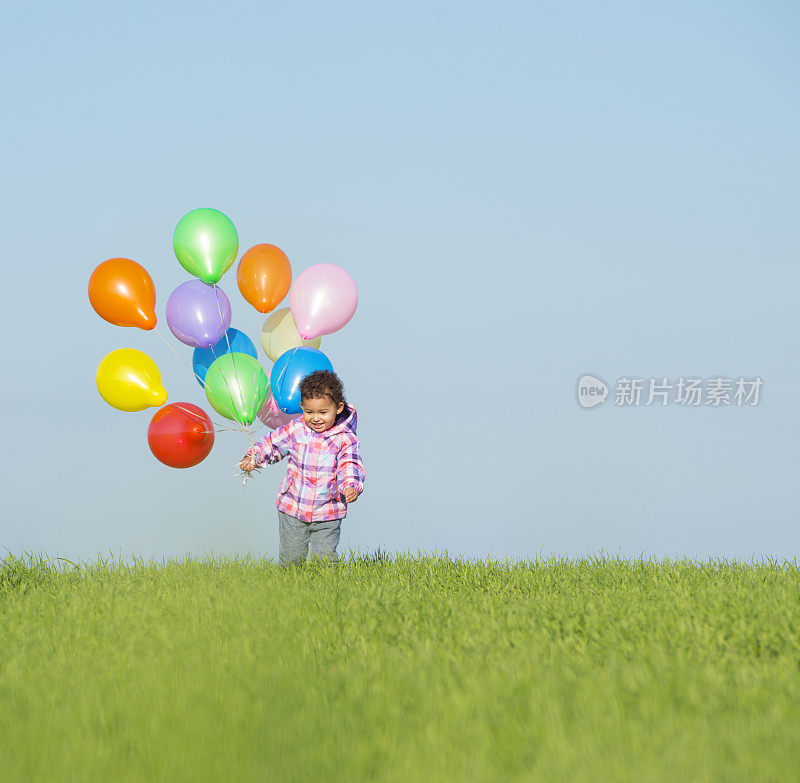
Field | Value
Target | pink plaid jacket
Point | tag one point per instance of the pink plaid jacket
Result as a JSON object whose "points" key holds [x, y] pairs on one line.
{"points": [[321, 466]]}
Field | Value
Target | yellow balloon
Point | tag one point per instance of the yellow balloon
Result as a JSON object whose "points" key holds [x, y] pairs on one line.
{"points": [[129, 380], [279, 334]]}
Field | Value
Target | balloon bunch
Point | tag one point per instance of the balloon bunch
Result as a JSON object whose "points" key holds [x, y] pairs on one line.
{"points": [[225, 361]]}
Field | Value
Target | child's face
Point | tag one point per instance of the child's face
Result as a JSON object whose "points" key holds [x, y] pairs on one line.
{"points": [[319, 413]]}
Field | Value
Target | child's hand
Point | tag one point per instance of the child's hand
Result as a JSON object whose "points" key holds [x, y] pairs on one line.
{"points": [[351, 494], [248, 464]]}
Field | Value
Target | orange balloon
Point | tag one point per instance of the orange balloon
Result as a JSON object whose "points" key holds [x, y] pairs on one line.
{"points": [[122, 292], [264, 276]]}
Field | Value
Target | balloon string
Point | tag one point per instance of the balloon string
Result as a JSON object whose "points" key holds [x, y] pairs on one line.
{"points": [[278, 384], [191, 369], [246, 473], [283, 370], [280, 377], [252, 432], [233, 359], [249, 435], [198, 420], [228, 384], [253, 426], [256, 425]]}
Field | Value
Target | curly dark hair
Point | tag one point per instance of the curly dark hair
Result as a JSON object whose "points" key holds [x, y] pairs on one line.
{"points": [[322, 383]]}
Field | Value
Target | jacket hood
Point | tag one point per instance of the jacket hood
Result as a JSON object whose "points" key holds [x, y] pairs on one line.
{"points": [[345, 421]]}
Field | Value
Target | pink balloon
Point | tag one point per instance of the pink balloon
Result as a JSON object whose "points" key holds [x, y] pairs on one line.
{"points": [[323, 299], [273, 416]]}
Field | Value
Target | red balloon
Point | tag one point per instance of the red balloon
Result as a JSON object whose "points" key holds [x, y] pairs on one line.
{"points": [[180, 435]]}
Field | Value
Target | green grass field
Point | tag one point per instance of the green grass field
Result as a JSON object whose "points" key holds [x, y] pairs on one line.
{"points": [[400, 669]]}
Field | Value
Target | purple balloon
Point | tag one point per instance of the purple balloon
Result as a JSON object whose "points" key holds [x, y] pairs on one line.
{"points": [[198, 314]]}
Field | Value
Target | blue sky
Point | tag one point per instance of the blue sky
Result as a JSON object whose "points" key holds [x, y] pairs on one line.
{"points": [[524, 193]]}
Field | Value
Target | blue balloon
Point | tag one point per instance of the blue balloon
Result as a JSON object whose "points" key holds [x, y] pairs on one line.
{"points": [[291, 367], [203, 358]]}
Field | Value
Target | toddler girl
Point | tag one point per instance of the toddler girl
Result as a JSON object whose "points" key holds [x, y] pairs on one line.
{"points": [[324, 473]]}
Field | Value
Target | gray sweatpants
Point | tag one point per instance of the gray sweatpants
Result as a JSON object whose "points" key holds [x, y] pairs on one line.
{"points": [[296, 536]]}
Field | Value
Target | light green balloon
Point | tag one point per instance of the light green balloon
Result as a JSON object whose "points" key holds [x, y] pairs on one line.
{"points": [[237, 387], [206, 243]]}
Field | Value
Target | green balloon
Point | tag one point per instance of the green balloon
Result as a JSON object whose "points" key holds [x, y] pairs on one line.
{"points": [[206, 243], [237, 387]]}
